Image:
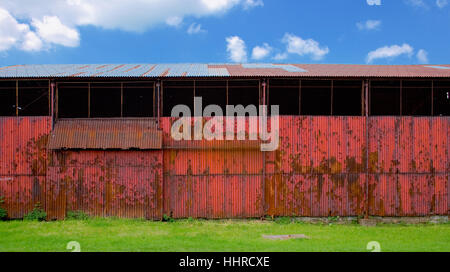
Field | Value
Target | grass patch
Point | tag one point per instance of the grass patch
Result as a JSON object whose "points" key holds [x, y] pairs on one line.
{"points": [[103, 234]]}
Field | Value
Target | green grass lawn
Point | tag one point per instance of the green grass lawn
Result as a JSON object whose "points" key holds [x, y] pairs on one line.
{"points": [[227, 235]]}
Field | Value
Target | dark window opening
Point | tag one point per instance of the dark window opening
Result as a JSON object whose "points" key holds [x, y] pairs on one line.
{"points": [[138, 99], [177, 93], [7, 98], [212, 93], [105, 100], [285, 93], [385, 98], [244, 93], [347, 98], [316, 97], [416, 98], [441, 98], [73, 100], [33, 98]]}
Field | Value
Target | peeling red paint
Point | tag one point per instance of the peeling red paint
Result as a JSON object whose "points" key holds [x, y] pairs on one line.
{"points": [[319, 170]]}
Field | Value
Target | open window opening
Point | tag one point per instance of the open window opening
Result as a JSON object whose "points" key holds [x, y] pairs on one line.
{"points": [[316, 97], [243, 92], [212, 93], [105, 100], [441, 98], [33, 98], [286, 94], [416, 98], [385, 97], [7, 98], [73, 100], [347, 100], [177, 93], [138, 99]]}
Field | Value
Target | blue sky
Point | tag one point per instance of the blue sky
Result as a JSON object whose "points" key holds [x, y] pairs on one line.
{"points": [[218, 31]]}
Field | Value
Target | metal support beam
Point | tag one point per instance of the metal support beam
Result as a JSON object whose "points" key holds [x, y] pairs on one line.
{"points": [[366, 109]]}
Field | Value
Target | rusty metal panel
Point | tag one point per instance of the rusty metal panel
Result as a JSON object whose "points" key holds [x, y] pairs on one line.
{"points": [[21, 193], [104, 183], [8, 145], [123, 133], [231, 196]]}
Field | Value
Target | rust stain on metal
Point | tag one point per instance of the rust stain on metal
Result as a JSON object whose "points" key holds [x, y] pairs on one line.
{"points": [[106, 134], [319, 169]]}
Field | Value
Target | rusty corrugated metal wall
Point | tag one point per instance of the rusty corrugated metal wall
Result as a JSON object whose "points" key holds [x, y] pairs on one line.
{"points": [[322, 168], [23, 162]]}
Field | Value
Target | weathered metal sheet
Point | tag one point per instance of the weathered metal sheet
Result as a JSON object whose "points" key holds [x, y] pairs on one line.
{"points": [[319, 170], [105, 183], [124, 133], [223, 70], [213, 196]]}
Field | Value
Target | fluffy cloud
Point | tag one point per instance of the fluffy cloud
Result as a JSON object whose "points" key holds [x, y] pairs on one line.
{"points": [[130, 15], [51, 30], [374, 2], [416, 3], [301, 47], [54, 18], [14, 34], [390, 52], [261, 52], [252, 4], [174, 21], [422, 56], [369, 25], [195, 29], [237, 51], [441, 3]]}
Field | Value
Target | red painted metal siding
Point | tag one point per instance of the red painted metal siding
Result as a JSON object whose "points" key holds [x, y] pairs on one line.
{"points": [[319, 170], [212, 179], [23, 162], [105, 183]]}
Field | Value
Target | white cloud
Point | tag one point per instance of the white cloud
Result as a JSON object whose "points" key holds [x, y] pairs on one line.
{"points": [[390, 52], [417, 3], [237, 51], [280, 56], [261, 52], [130, 15], [51, 30], [253, 3], [422, 56], [31, 42], [174, 21], [441, 3], [53, 16], [374, 2], [195, 29], [301, 47], [15, 34], [369, 25]]}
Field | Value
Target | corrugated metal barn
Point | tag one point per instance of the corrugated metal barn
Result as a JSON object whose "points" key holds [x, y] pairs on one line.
{"points": [[355, 140]]}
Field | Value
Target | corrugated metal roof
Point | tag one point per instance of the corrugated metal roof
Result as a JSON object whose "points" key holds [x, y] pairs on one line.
{"points": [[93, 133], [222, 70]]}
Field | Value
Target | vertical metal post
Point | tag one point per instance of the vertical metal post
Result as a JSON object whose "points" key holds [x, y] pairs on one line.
{"points": [[401, 97], [52, 102], [121, 99], [17, 98], [89, 100], [366, 109], [432, 98], [299, 97], [331, 103], [263, 192], [158, 103]]}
